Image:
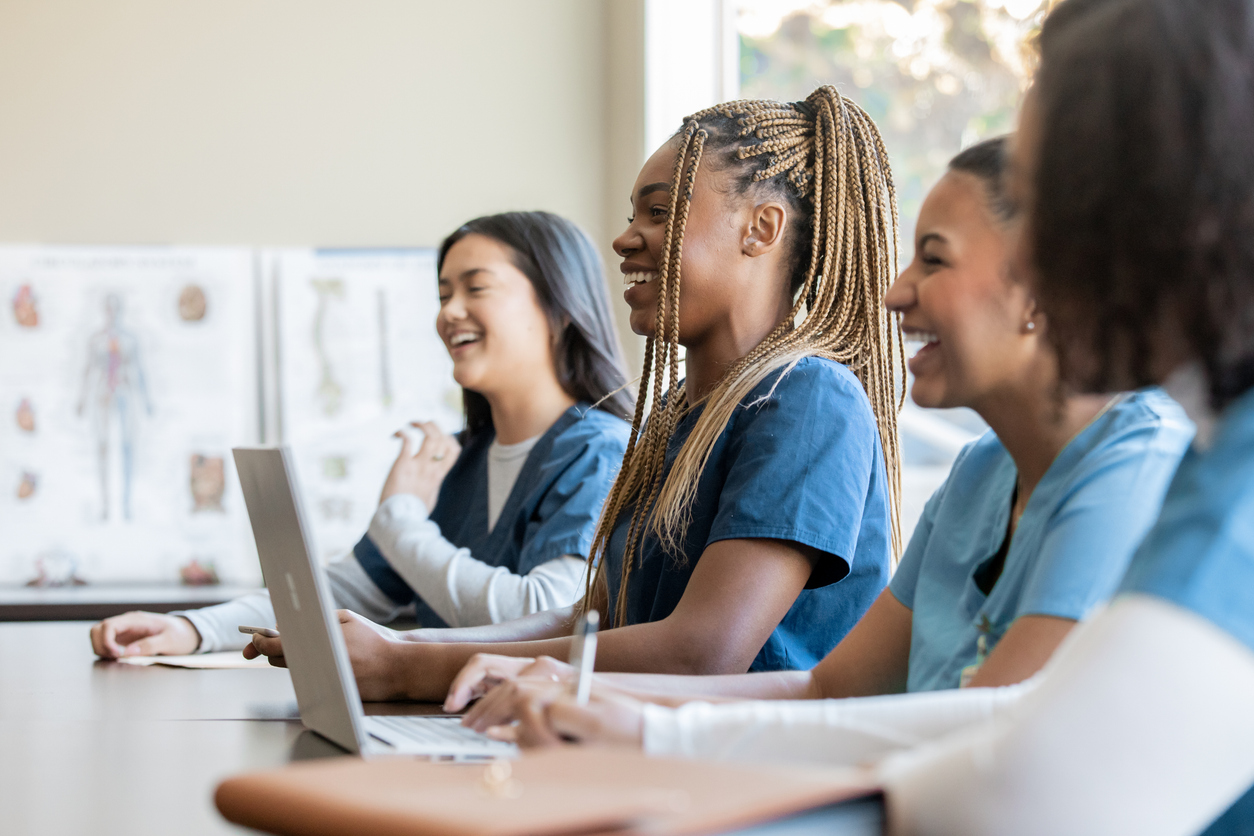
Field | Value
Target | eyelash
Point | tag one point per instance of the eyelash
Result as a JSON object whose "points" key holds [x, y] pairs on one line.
{"points": [[655, 210]]}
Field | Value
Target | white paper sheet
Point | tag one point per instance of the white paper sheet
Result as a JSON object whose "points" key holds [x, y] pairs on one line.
{"points": [[226, 660]]}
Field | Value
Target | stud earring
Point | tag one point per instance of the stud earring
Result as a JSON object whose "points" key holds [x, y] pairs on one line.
{"points": [[1031, 326]]}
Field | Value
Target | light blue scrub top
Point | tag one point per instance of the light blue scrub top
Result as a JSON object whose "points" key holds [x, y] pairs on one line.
{"points": [[1069, 551], [1200, 553]]}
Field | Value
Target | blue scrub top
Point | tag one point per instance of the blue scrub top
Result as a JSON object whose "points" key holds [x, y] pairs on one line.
{"points": [[1200, 553], [551, 511], [1069, 551], [800, 460]]}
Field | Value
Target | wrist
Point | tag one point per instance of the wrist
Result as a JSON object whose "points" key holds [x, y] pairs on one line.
{"points": [[189, 628], [421, 671]]}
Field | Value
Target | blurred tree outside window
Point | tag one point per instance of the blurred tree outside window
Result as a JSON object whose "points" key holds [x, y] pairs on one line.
{"points": [[936, 76]]}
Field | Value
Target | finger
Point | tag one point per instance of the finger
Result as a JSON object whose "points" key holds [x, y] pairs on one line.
{"points": [[97, 640], [496, 708], [149, 646], [406, 446], [250, 651], [278, 662], [108, 639], [575, 722], [464, 684], [268, 646], [482, 673], [432, 430], [533, 726], [506, 734]]}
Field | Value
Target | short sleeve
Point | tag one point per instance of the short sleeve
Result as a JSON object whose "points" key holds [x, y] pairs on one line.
{"points": [[906, 578], [1083, 556], [566, 519], [801, 463]]}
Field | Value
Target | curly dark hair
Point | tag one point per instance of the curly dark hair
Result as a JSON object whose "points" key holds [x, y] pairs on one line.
{"points": [[1144, 191]]}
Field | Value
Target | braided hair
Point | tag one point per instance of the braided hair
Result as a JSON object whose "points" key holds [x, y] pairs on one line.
{"points": [[825, 158]]}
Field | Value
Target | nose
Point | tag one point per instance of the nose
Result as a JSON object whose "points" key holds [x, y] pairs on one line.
{"points": [[628, 243], [902, 294], [452, 310]]}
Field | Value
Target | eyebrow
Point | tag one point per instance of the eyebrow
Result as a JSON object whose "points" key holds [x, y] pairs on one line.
{"points": [[645, 191], [465, 274], [931, 236]]}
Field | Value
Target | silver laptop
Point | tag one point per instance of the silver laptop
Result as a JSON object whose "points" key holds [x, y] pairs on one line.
{"points": [[313, 644]]}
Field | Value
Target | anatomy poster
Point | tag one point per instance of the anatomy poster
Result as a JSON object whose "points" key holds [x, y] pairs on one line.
{"points": [[126, 375], [358, 358]]}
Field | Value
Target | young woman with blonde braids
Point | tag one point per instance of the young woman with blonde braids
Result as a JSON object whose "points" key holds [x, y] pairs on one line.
{"points": [[754, 519], [1033, 528]]}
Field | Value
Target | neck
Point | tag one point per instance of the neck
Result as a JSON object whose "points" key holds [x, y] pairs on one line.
{"points": [[523, 413], [1034, 427], [709, 357]]}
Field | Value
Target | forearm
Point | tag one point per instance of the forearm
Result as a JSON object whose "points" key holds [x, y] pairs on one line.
{"points": [[675, 690], [542, 625], [219, 625], [1144, 677], [425, 669], [833, 732], [463, 590]]}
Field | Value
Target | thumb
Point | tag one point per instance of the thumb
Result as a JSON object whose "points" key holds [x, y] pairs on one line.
{"points": [[407, 451]]}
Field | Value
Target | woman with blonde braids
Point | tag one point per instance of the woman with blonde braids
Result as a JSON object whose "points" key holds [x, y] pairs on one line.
{"points": [[1032, 529], [754, 518]]}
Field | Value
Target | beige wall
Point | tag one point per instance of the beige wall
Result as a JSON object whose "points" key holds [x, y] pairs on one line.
{"points": [[311, 122]]}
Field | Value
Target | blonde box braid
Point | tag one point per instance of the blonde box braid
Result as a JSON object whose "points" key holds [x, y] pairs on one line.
{"points": [[832, 157]]}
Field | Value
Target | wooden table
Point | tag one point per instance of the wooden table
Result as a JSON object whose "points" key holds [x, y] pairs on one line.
{"points": [[93, 747], [97, 747]]}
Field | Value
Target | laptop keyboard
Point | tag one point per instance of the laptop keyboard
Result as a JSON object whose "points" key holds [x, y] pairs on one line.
{"points": [[435, 731]]}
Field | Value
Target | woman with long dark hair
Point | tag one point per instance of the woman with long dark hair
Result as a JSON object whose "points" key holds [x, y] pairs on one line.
{"points": [[498, 522]]}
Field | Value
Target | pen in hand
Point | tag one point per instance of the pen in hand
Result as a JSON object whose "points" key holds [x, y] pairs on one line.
{"points": [[583, 654]]}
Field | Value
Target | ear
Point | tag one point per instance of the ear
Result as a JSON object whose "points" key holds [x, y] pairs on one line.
{"points": [[767, 224]]}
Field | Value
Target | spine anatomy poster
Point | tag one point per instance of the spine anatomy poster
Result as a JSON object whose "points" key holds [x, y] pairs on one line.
{"points": [[358, 359], [128, 373]]}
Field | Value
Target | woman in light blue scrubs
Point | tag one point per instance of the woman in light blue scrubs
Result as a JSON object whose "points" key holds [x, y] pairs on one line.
{"points": [[496, 523], [1033, 528], [1144, 723]]}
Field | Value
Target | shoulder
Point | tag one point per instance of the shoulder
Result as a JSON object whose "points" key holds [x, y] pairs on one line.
{"points": [[594, 428], [811, 388], [588, 434], [1137, 442], [1146, 414]]}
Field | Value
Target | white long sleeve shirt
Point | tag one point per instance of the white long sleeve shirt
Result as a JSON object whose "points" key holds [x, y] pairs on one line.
{"points": [[462, 590], [1140, 723]]}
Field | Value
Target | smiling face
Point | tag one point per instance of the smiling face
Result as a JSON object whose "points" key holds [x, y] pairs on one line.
{"points": [[490, 319], [958, 302], [722, 248]]}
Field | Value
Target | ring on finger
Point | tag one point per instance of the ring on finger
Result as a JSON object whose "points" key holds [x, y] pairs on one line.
{"points": [[435, 457]]}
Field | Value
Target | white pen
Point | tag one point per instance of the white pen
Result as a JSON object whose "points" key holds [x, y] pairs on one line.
{"points": [[583, 654]]}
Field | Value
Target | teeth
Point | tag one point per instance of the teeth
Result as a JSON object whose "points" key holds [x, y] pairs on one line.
{"points": [[925, 337], [916, 341], [638, 278], [462, 338]]}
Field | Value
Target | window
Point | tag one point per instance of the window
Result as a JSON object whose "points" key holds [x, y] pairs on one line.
{"points": [[935, 75]]}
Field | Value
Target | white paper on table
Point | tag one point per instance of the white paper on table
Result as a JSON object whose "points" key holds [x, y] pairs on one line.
{"points": [[215, 661]]}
